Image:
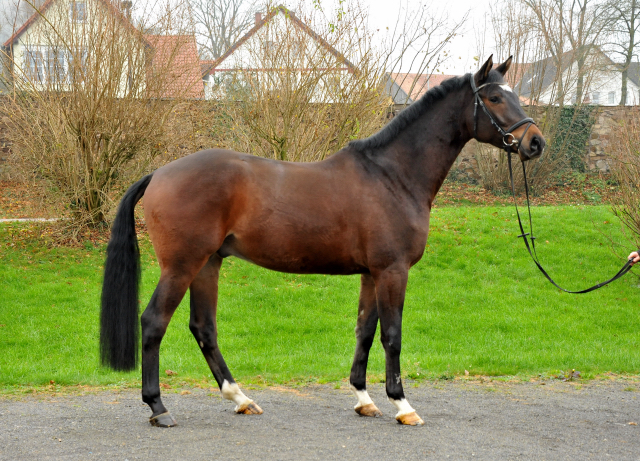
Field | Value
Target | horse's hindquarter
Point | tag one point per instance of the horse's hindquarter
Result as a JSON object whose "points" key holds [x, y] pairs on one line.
{"points": [[291, 217]]}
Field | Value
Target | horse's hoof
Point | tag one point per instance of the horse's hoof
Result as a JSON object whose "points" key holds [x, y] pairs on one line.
{"points": [[163, 420], [249, 408], [410, 419], [369, 410]]}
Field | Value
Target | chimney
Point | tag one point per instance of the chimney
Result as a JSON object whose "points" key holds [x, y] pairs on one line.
{"points": [[258, 18], [126, 8]]}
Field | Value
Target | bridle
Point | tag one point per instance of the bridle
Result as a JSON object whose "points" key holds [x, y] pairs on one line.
{"points": [[509, 145], [505, 134]]}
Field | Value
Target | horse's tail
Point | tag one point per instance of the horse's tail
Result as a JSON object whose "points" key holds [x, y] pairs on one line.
{"points": [[119, 312]]}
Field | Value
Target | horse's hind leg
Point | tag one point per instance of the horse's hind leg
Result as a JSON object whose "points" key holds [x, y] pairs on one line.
{"points": [[204, 299], [365, 331], [155, 319]]}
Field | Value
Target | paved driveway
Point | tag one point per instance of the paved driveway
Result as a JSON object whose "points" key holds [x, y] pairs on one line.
{"points": [[462, 421]]}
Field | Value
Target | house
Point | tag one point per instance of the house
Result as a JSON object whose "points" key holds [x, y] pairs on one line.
{"points": [[602, 81], [278, 41], [66, 40], [633, 75]]}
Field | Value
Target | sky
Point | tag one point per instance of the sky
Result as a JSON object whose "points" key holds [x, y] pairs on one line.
{"points": [[463, 48]]}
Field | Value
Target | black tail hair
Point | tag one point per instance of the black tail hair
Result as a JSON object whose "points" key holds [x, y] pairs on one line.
{"points": [[119, 312]]}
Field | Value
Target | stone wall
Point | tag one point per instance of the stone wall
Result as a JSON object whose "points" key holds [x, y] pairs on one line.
{"points": [[607, 119]]}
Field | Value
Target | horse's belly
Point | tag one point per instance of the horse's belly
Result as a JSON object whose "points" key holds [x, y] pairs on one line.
{"points": [[286, 255]]}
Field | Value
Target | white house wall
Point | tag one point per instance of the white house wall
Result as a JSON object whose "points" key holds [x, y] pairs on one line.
{"points": [[40, 35], [605, 81], [280, 36]]}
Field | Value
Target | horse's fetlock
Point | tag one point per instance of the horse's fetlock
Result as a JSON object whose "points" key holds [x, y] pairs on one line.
{"points": [[150, 398]]}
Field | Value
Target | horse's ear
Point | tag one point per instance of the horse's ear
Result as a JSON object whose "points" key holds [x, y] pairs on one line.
{"points": [[483, 73], [504, 67]]}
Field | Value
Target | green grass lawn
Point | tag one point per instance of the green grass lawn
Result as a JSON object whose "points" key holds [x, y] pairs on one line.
{"points": [[475, 302]]}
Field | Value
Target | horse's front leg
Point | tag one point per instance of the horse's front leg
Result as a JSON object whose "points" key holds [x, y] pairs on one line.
{"points": [[365, 331], [391, 285]]}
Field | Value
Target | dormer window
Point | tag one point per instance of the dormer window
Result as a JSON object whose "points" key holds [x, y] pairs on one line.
{"points": [[77, 11]]}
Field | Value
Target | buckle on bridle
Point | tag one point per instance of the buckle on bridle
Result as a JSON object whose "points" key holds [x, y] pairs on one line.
{"points": [[514, 142]]}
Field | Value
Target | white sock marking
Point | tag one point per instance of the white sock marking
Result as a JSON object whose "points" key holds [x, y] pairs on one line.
{"points": [[233, 392], [363, 397], [403, 407]]}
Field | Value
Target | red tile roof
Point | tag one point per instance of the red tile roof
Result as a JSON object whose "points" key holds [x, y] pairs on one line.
{"points": [[421, 82], [180, 54]]}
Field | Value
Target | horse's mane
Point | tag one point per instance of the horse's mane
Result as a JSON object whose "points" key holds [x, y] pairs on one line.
{"points": [[410, 114]]}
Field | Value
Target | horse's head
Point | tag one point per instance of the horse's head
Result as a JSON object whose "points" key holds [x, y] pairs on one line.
{"points": [[498, 118]]}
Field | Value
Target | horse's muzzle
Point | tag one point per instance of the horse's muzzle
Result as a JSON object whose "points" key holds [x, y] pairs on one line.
{"points": [[534, 150]]}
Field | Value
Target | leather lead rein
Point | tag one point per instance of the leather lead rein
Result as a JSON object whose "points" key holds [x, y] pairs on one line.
{"points": [[508, 147]]}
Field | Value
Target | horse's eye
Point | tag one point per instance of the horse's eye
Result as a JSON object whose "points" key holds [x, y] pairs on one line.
{"points": [[494, 99]]}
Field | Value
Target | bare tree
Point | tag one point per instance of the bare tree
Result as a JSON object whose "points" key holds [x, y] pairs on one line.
{"points": [[571, 29], [625, 37], [587, 22], [625, 168], [418, 42], [219, 23]]}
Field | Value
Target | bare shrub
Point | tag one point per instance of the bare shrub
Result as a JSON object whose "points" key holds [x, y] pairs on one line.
{"points": [[91, 100], [625, 168], [307, 82]]}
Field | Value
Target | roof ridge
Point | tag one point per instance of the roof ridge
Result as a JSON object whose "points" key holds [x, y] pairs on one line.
{"points": [[291, 15], [47, 4]]}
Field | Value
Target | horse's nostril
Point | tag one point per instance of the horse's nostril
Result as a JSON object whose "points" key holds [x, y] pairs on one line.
{"points": [[536, 145]]}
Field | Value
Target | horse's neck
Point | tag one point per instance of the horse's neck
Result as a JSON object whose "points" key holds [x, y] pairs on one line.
{"points": [[426, 150]]}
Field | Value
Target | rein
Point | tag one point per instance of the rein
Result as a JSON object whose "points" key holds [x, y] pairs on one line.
{"points": [[508, 147]]}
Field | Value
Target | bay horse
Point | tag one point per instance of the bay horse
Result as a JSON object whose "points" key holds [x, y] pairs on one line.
{"points": [[363, 210]]}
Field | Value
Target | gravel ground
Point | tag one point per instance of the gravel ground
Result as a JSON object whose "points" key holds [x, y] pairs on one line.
{"points": [[463, 420]]}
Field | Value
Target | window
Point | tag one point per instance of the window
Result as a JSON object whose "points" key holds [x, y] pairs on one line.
{"points": [[270, 47], [56, 65], [77, 11], [612, 97], [34, 65], [48, 65], [595, 97], [76, 65]]}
